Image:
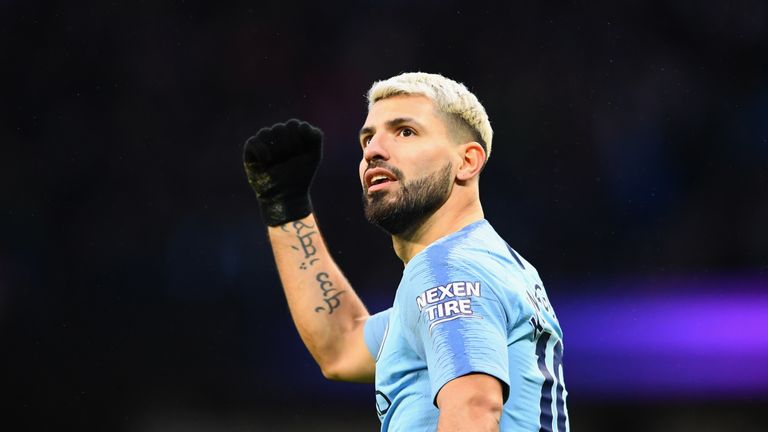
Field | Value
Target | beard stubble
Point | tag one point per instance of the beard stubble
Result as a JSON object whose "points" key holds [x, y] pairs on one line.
{"points": [[414, 202]]}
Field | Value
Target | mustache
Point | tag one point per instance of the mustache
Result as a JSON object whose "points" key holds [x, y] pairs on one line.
{"points": [[378, 163]]}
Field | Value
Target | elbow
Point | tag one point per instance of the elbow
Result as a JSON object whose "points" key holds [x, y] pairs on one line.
{"points": [[330, 373], [334, 370], [347, 372]]}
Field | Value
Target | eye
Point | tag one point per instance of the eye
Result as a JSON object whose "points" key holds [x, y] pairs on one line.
{"points": [[406, 132], [365, 140]]}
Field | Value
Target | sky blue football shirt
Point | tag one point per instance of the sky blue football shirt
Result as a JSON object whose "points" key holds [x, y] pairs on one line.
{"points": [[468, 303]]}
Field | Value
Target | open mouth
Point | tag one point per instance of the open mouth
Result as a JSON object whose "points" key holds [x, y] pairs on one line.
{"points": [[379, 182], [378, 178]]}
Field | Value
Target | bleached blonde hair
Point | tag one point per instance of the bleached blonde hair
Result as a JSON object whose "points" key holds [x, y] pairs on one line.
{"points": [[451, 98]]}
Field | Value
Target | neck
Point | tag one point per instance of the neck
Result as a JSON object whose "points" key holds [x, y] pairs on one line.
{"points": [[448, 219]]}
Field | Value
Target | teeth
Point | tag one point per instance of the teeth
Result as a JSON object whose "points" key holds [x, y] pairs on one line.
{"points": [[379, 178]]}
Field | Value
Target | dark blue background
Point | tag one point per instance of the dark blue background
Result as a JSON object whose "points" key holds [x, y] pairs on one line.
{"points": [[137, 290]]}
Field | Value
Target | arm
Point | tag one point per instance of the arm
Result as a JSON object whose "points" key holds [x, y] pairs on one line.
{"points": [[328, 314], [470, 403], [465, 344], [280, 163]]}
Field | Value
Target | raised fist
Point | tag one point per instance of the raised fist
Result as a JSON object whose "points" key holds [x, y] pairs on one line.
{"points": [[280, 163]]}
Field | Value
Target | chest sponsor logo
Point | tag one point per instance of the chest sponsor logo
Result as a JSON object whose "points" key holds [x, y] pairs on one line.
{"points": [[448, 302]]}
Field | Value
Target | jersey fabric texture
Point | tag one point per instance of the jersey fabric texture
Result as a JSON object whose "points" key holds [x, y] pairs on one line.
{"points": [[468, 303]]}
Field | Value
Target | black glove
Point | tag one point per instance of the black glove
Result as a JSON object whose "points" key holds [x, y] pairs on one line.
{"points": [[281, 162]]}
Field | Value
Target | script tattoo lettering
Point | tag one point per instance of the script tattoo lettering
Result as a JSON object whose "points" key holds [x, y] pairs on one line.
{"points": [[330, 294], [306, 243]]}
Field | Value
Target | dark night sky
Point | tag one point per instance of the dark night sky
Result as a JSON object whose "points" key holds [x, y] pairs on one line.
{"points": [[630, 141]]}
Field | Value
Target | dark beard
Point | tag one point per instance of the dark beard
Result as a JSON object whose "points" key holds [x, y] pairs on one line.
{"points": [[415, 201]]}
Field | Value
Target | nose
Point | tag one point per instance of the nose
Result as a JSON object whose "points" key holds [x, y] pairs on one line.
{"points": [[377, 148]]}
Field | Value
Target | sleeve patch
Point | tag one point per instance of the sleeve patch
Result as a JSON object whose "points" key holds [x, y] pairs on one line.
{"points": [[448, 302]]}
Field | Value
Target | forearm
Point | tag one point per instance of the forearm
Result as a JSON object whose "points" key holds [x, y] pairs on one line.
{"points": [[328, 314]]}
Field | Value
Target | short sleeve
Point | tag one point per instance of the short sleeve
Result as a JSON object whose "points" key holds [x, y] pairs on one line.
{"points": [[459, 322], [375, 331]]}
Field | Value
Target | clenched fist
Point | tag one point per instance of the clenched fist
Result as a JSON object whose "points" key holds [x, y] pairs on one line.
{"points": [[280, 163]]}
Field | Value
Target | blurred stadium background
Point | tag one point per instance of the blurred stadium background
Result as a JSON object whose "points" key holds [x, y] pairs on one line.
{"points": [[137, 291]]}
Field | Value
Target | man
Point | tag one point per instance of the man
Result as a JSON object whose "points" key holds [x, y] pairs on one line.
{"points": [[471, 342]]}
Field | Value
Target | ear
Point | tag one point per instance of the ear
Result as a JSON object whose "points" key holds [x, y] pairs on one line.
{"points": [[473, 160]]}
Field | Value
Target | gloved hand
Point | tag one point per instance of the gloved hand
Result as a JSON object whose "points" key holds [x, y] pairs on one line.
{"points": [[280, 163]]}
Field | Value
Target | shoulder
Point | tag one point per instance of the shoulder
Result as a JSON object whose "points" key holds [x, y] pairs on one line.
{"points": [[475, 253], [473, 260], [473, 263]]}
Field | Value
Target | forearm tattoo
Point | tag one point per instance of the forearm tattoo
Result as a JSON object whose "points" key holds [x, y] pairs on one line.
{"points": [[330, 294], [304, 233], [305, 240]]}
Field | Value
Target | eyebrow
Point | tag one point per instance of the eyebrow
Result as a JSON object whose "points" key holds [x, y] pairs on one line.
{"points": [[391, 124]]}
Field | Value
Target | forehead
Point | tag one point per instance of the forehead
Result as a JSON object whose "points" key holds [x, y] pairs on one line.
{"points": [[418, 107]]}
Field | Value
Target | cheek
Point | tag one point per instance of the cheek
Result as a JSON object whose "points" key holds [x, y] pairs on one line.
{"points": [[428, 162], [361, 170]]}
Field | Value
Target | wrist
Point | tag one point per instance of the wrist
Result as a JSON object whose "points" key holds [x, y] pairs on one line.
{"points": [[281, 211]]}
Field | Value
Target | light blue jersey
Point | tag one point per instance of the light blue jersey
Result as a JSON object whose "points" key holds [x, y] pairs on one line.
{"points": [[467, 304]]}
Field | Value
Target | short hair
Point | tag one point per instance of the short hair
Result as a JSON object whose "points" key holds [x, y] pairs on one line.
{"points": [[451, 97]]}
